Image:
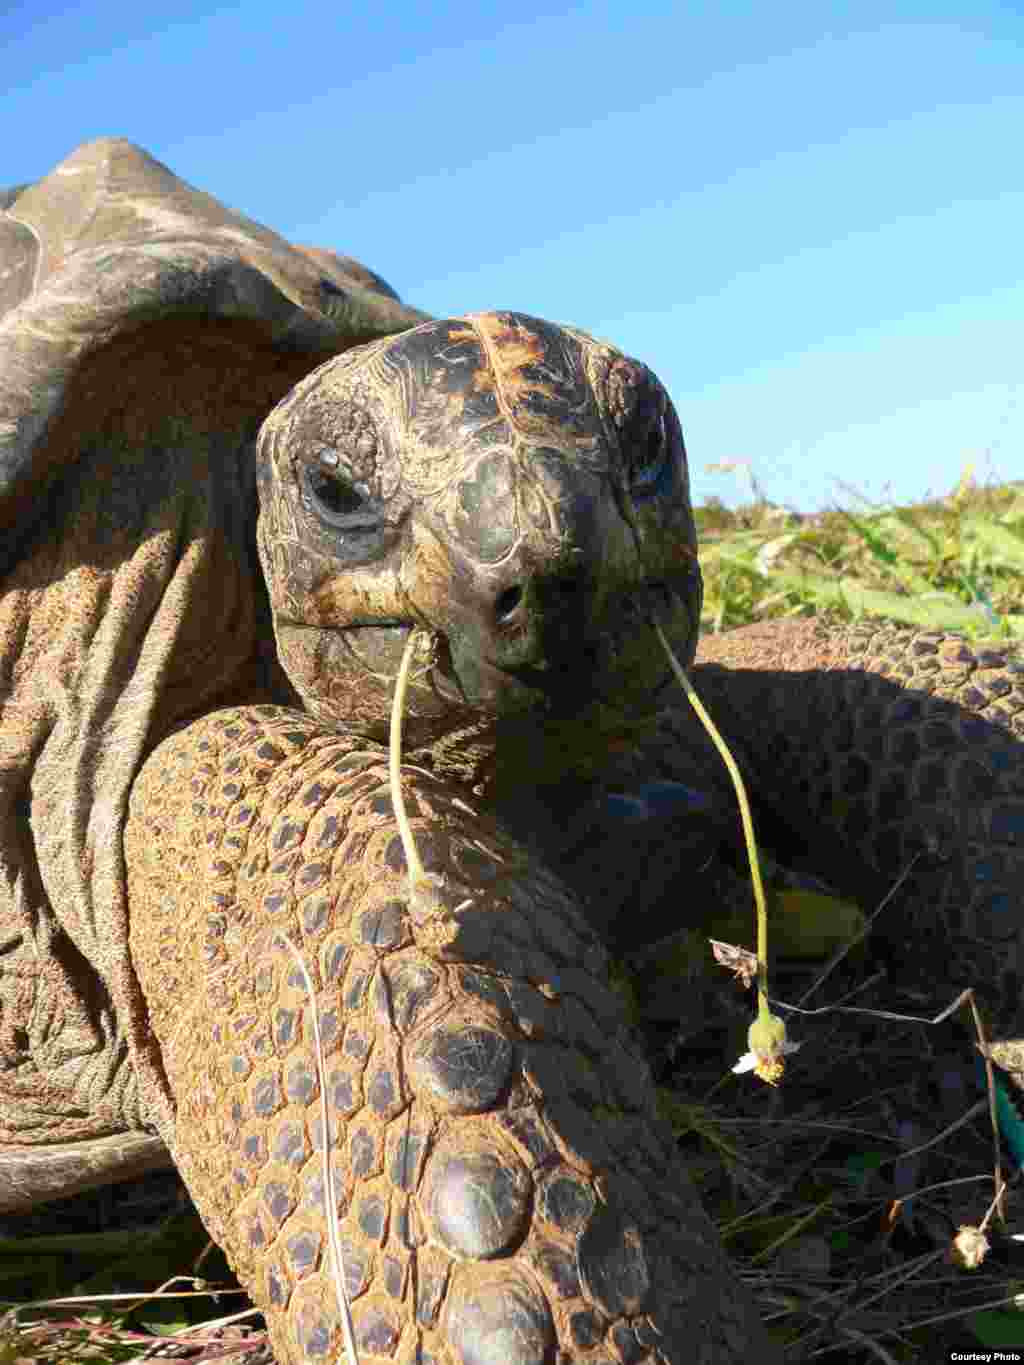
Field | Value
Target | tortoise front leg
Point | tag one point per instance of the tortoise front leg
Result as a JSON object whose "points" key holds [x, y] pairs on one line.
{"points": [[507, 1193]]}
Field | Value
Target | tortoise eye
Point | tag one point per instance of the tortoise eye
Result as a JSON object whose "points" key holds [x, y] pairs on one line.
{"points": [[336, 499], [334, 494]]}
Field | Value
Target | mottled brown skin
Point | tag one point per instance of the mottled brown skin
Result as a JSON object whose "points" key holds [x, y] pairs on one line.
{"points": [[504, 1184], [519, 492]]}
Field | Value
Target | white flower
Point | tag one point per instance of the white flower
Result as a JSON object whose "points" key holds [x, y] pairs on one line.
{"points": [[768, 1068]]}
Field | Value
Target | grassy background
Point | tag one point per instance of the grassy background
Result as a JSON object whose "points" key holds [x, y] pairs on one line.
{"points": [[955, 563]]}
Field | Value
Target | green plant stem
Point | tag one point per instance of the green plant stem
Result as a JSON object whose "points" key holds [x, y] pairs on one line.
{"points": [[748, 824]]}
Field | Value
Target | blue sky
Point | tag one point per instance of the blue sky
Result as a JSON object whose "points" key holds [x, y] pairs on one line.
{"points": [[808, 218]]}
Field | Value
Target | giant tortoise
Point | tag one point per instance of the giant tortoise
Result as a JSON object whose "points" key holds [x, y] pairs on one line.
{"points": [[234, 475]]}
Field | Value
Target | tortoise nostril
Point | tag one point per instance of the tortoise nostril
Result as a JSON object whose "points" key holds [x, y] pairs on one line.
{"points": [[506, 603], [566, 587]]}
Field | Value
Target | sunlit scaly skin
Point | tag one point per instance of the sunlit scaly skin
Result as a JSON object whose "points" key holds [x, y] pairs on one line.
{"points": [[506, 1188]]}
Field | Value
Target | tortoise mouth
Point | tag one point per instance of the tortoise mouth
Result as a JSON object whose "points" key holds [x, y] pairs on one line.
{"points": [[620, 664], [589, 681]]}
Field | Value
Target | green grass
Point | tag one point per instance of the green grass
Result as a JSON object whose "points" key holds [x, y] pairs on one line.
{"points": [[954, 563]]}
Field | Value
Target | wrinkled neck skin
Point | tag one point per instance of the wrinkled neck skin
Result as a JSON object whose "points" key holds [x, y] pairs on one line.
{"points": [[108, 640]]}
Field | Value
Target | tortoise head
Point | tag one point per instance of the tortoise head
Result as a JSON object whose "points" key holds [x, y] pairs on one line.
{"points": [[516, 488]]}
